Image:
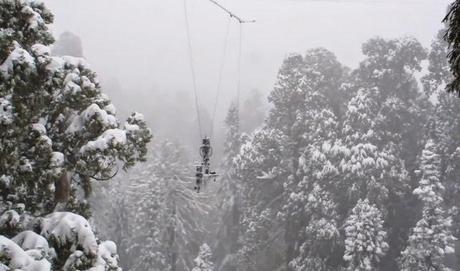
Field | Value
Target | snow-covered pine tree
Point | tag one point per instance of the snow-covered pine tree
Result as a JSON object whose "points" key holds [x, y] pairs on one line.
{"points": [[313, 80], [393, 131], [168, 213], [445, 128], [204, 260], [315, 167], [163, 218], [285, 97], [130, 210], [112, 213], [58, 130], [365, 237], [438, 68], [260, 170], [185, 209], [287, 116], [452, 37], [321, 236], [431, 238], [305, 101], [312, 107], [228, 195], [232, 137], [370, 171], [389, 71], [58, 241], [68, 44], [367, 170], [146, 195]]}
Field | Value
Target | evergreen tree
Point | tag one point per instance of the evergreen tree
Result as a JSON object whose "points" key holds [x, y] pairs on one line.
{"points": [[260, 170], [388, 72], [314, 105], [314, 168], [204, 260], [146, 193], [445, 128], [321, 235], [68, 44], [229, 206], [58, 130], [438, 69], [112, 217], [287, 116], [285, 97], [365, 237], [165, 215], [58, 133], [185, 209], [389, 112], [368, 171], [336, 138], [59, 241], [233, 136], [452, 37], [431, 239], [305, 102], [373, 172]]}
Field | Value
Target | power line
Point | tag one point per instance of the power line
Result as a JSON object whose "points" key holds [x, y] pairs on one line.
{"points": [[238, 87], [221, 70], [192, 68], [192, 64]]}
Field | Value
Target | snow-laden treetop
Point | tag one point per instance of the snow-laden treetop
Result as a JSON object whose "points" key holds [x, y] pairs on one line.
{"points": [[55, 122]]}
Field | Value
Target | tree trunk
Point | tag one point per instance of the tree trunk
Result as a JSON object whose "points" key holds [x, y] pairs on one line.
{"points": [[62, 189]]}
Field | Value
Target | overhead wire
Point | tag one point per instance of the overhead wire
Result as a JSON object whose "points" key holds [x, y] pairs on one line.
{"points": [[240, 49], [222, 64], [221, 71], [192, 68]]}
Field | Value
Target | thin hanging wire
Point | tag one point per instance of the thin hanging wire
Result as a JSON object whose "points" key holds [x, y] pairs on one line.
{"points": [[221, 71], [192, 68], [238, 87]]}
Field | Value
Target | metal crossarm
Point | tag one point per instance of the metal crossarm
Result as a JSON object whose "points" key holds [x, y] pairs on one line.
{"points": [[233, 15]]}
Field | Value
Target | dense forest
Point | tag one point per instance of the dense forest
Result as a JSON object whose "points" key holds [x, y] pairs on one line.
{"points": [[347, 169], [351, 169]]}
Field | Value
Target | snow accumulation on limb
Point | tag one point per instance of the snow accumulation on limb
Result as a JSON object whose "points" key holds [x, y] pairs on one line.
{"points": [[66, 228], [18, 56], [60, 231], [18, 259], [9, 219], [107, 257], [29, 240]]}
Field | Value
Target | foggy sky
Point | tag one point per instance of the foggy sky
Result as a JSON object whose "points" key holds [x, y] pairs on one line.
{"points": [[142, 43]]}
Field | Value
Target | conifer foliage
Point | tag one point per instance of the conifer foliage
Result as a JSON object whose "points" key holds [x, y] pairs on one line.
{"points": [[228, 206], [204, 260], [327, 182], [56, 124], [452, 37], [163, 225], [365, 237], [431, 238], [58, 133]]}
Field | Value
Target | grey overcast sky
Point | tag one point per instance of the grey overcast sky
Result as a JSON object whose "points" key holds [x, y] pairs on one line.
{"points": [[142, 43]]}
